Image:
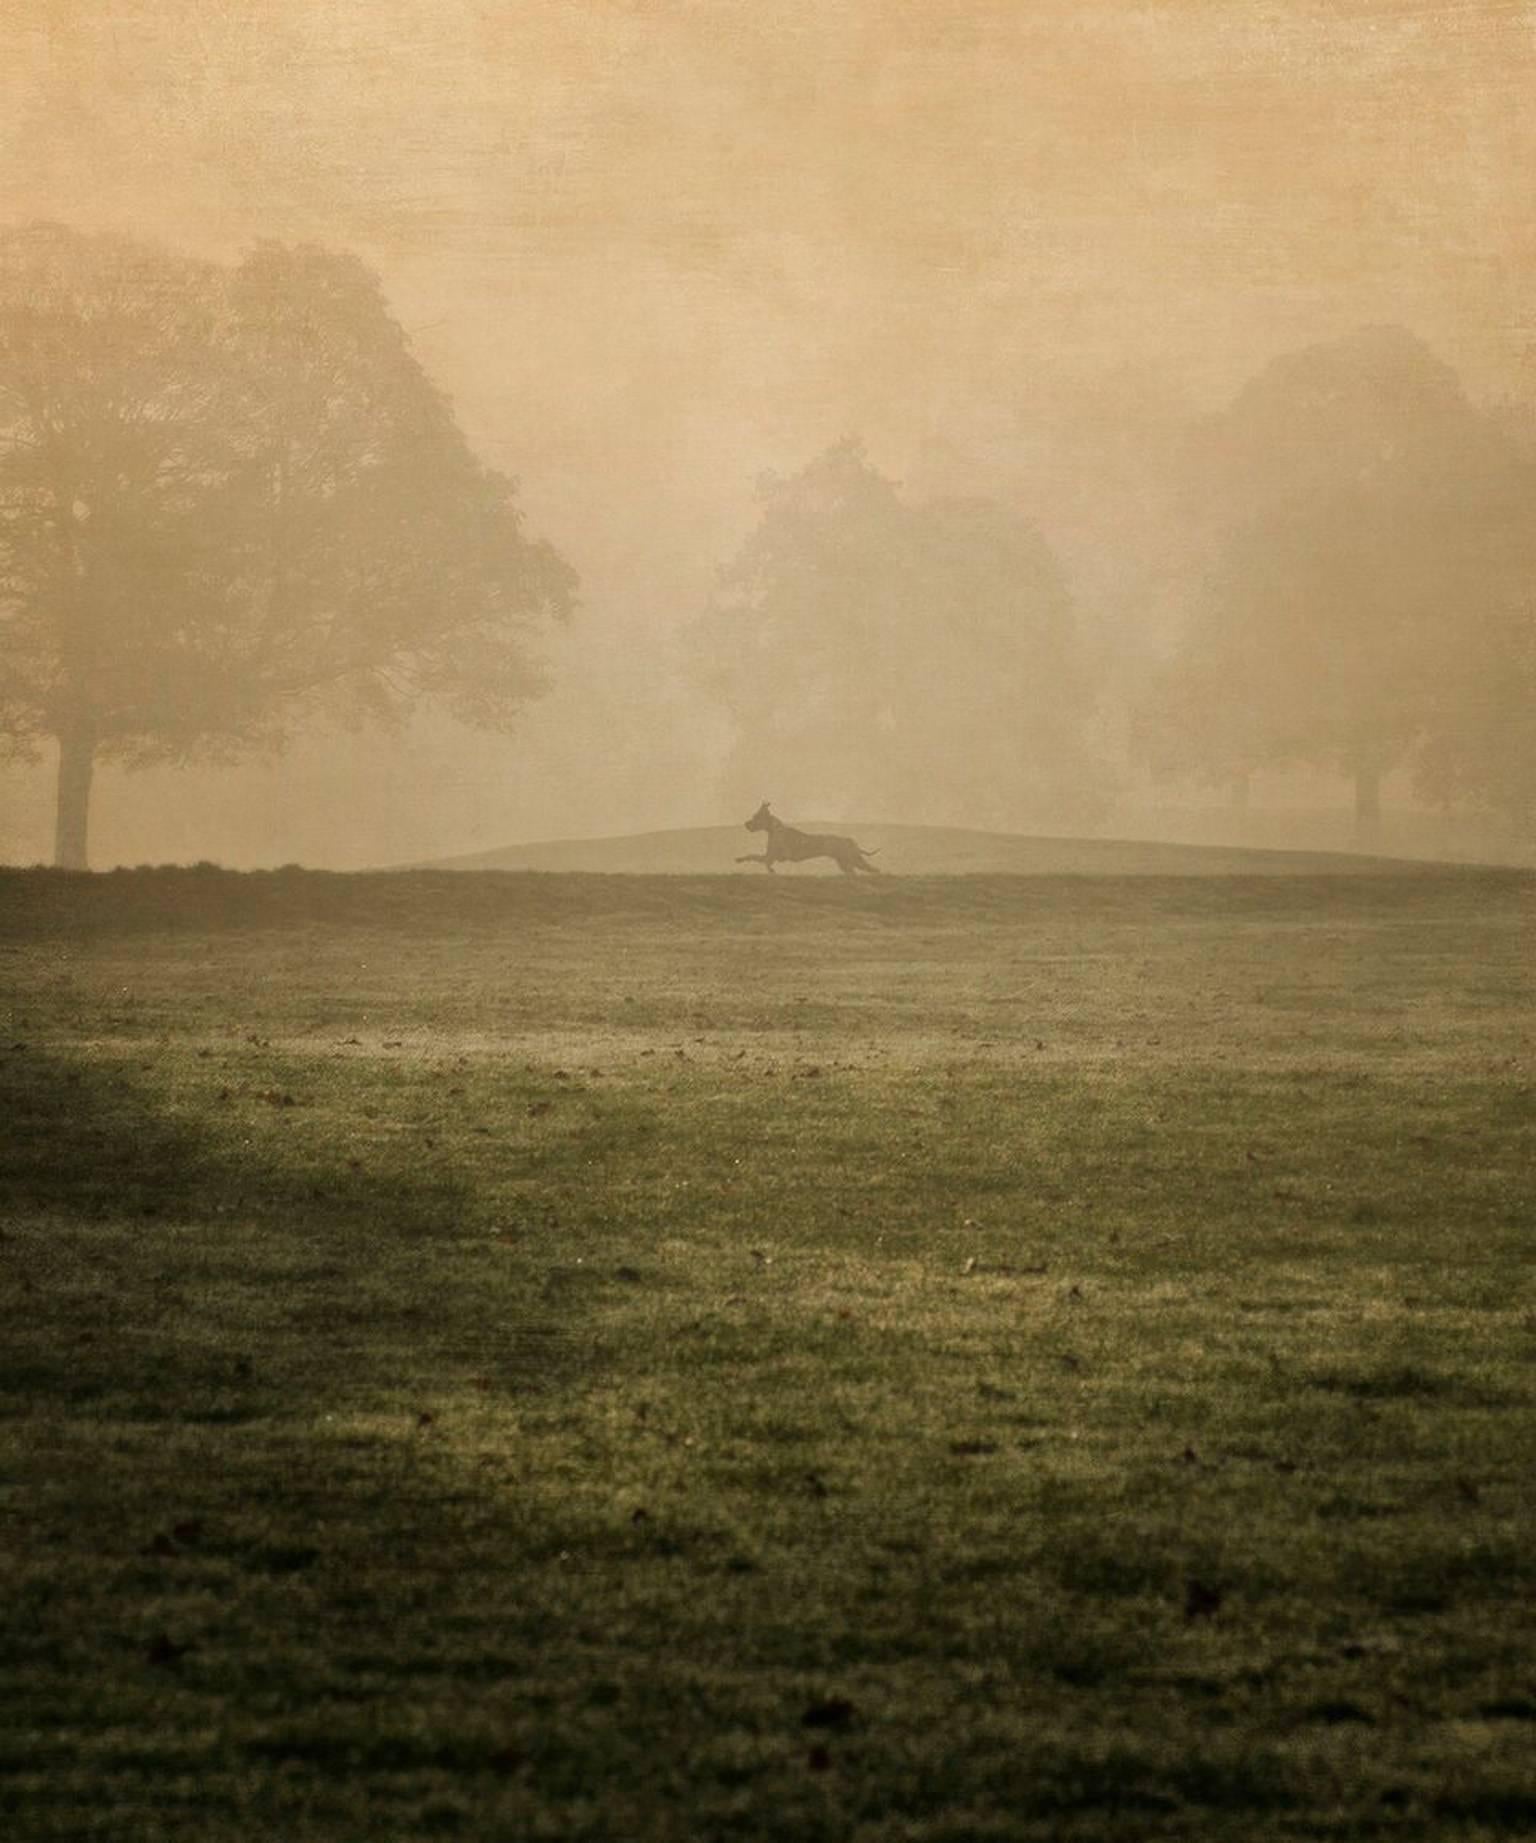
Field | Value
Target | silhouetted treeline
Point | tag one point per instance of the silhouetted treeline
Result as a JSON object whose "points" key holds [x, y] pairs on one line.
{"points": [[1346, 552], [232, 505]]}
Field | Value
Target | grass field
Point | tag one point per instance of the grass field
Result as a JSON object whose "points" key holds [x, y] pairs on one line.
{"points": [[691, 1358]]}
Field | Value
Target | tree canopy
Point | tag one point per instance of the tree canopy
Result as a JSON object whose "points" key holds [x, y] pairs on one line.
{"points": [[1363, 526], [861, 642], [231, 503]]}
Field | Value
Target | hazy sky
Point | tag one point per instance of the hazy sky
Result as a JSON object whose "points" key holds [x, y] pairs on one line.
{"points": [[652, 247]]}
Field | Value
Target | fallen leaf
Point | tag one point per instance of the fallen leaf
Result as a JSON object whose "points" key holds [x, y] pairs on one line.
{"points": [[164, 1652], [1201, 1601], [831, 1712]]}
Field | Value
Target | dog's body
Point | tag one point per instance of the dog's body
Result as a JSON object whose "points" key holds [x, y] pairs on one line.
{"points": [[787, 846]]}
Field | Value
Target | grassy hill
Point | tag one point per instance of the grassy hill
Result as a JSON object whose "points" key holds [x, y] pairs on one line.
{"points": [[910, 850]]}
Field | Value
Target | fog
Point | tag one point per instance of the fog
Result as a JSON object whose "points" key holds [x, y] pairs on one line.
{"points": [[656, 250]]}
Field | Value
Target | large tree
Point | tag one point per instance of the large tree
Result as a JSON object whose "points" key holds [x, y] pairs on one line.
{"points": [[886, 658], [1478, 746], [232, 503], [1352, 504], [1317, 638]]}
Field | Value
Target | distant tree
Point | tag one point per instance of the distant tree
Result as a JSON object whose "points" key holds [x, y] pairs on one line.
{"points": [[232, 504], [1481, 753], [1344, 501], [882, 657], [1313, 641], [1478, 747], [1373, 405]]}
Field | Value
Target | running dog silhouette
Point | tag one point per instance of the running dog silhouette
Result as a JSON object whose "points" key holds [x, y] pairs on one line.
{"points": [[787, 846]]}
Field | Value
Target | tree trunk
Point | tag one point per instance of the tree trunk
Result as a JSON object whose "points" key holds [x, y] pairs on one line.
{"points": [[1367, 801], [77, 762]]}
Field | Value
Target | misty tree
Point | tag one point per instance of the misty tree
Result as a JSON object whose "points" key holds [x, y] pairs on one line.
{"points": [[1344, 499], [1481, 750], [1315, 640], [886, 658], [232, 504], [1478, 748]]}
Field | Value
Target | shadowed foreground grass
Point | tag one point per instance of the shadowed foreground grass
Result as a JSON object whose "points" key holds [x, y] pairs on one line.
{"points": [[593, 1358]]}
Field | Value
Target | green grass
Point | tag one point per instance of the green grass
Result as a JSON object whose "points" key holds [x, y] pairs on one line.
{"points": [[590, 1357]]}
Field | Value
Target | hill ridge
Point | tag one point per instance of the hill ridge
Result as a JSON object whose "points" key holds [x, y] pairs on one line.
{"points": [[916, 850]]}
